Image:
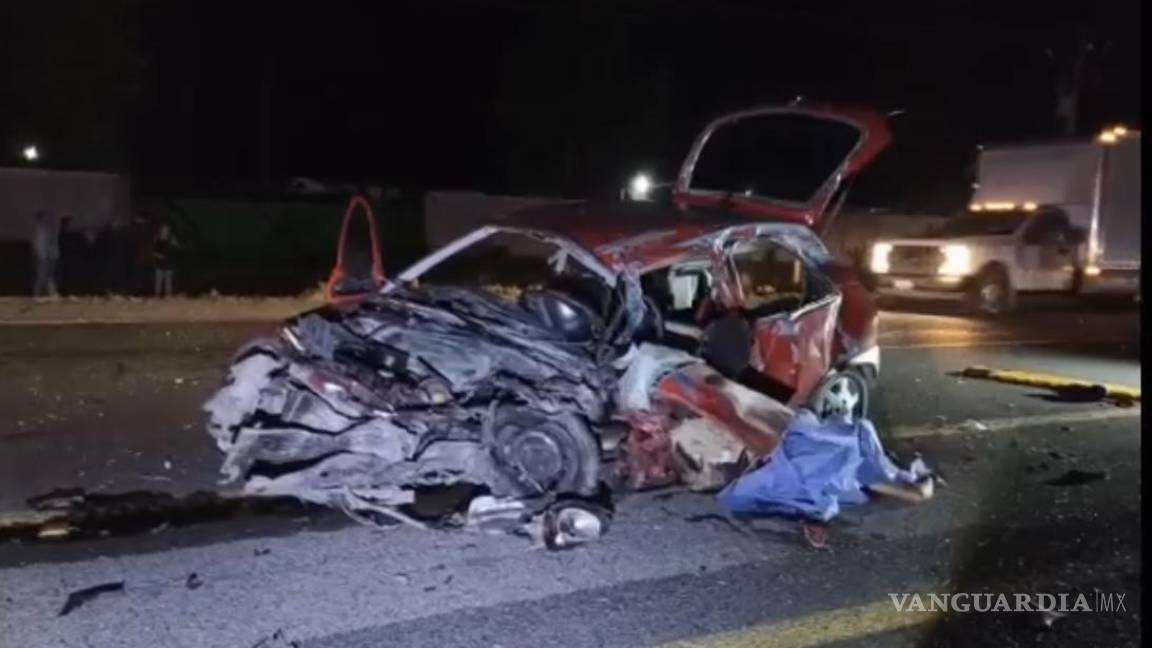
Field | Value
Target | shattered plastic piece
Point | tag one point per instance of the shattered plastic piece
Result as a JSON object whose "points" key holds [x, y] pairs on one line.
{"points": [[1076, 477], [81, 596], [972, 425], [817, 467], [706, 455], [490, 513], [571, 526]]}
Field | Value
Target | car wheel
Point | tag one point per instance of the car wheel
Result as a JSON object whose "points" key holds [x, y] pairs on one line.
{"points": [[543, 454], [991, 293], [844, 392]]}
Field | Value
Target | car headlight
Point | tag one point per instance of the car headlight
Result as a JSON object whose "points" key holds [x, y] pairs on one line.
{"points": [[957, 261], [879, 263]]}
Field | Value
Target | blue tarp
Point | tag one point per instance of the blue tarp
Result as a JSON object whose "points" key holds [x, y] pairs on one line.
{"points": [[818, 466]]}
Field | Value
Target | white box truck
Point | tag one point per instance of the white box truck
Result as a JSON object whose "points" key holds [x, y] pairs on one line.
{"points": [[1048, 217]]}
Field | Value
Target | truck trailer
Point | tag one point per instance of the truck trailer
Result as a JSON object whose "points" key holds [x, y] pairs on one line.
{"points": [[1049, 217]]}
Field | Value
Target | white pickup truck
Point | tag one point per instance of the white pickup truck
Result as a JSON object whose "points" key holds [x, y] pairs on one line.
{"points": [[1052, 217]]}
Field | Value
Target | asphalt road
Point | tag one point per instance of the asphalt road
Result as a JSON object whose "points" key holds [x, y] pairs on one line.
{"points": [[115, 408]]}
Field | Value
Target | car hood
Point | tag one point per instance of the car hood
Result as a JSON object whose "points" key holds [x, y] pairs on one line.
{"points": [[781, 162], [467, 338]]}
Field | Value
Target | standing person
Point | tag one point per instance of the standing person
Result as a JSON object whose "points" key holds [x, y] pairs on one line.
{"points": [[68, 247], [134, 243], [46, 249], [163, 249]]}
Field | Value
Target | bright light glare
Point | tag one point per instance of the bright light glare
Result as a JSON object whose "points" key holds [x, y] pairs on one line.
{"points": [[1108, 137], [999, 206], [976, 207], [957, 261], [880, 252], [1120, 131], [31, 153], [1092, 271], [641, 185], [1029, 206]]}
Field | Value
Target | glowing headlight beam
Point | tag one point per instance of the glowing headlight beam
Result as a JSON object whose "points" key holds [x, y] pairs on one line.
{"points": [[879, 262], [957, 261]]}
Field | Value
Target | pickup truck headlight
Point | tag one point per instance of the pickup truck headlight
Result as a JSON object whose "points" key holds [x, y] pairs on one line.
{"points": [[879, 262], [957, 261]]}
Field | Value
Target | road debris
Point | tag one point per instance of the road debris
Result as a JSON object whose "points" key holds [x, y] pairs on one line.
{"points": [[972, 425], [1077, 477], [276, 640], [816, 535], [193, 581], [81, 596], [76, 513]]}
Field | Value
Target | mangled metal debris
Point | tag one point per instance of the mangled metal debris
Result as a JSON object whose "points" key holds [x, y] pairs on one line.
{"points": [[697, 329]]}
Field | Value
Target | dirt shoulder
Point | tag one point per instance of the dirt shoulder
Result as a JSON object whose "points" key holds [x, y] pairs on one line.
{"points": [[133, 310]]}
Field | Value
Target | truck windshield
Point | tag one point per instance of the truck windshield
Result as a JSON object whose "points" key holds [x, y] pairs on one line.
{"points": [[992, 224]]}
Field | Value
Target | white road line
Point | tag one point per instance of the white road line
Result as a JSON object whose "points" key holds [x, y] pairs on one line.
{"points": [[1015, 422], [990, 343]]}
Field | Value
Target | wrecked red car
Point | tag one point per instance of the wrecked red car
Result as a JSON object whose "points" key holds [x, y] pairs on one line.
{"points": [[575, 345]]}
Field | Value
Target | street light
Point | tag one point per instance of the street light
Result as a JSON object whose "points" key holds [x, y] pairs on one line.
{"points": [[31, 153], [640, 186]]}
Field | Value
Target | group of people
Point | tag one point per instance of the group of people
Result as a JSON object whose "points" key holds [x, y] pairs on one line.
{"points": [[115, 259]]}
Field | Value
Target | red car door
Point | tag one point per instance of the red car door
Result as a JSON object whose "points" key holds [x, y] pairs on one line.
{"points": [[793, 311], [358, 270]]}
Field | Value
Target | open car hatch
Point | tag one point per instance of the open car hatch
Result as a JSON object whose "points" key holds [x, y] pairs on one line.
{"points": [[787, 162]]}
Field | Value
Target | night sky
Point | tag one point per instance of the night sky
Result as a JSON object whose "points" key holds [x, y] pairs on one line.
{"points": [[533, 97]]}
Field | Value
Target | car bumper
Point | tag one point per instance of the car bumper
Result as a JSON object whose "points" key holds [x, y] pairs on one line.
{"points": [[920, 286], [1113, 282]]}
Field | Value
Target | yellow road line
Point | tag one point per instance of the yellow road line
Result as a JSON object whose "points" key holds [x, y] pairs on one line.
{"points": [[816, 629], [1014, 422], [1050, 381]]}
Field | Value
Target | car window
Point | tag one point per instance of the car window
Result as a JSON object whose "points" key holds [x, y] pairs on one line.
{"points": [[506, 264], [1045, 226], [981, 224], [678, 290], [773, 279]]}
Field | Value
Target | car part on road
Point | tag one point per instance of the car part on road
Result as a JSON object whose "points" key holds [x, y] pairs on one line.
{"points": [[74, 513], [1077, 477], [570, 525], [81, 596], [706, 455]]}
